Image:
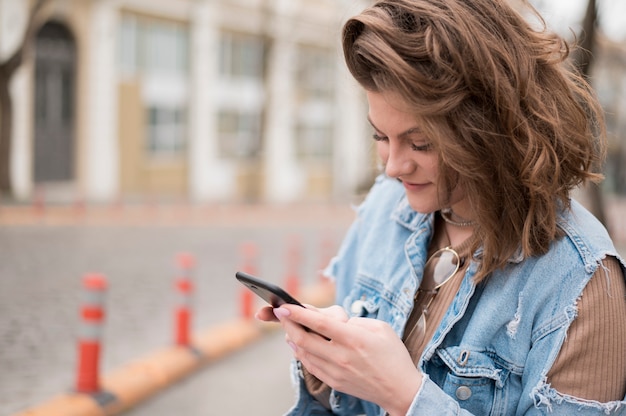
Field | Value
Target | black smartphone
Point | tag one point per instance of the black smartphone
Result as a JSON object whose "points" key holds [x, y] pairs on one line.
{"points": [[272, 294]]}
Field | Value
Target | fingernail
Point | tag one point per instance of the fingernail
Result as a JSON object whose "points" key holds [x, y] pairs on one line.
{"points": [[281, 312], [292, 346]]}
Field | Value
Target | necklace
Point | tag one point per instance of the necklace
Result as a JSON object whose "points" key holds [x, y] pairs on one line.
{"points": [[446, 214]]}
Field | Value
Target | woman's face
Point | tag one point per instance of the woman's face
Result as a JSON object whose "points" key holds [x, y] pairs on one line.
{"points": [[408, 155]]}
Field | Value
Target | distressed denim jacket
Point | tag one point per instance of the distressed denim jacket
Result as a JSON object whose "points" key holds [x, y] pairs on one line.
{"points": [[496, 343]]}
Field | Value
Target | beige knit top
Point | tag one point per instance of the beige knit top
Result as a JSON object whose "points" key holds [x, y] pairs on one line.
{"points": [[413, 340], [592, 362]]}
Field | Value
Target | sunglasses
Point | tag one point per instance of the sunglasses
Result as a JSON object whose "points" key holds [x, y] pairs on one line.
{"points": [[438, 270]]}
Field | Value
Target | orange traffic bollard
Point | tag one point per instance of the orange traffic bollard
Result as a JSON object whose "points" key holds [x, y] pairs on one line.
{"points": [[184, 291], [92, 314], [39, 201], [249, 254], [80, 207], [292, 280]]}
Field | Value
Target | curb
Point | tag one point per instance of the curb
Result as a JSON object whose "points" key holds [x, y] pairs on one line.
{"points": [[129, 385], [248, 215]]}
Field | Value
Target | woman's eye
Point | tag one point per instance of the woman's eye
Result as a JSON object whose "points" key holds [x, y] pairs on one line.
{"points": [[421, 147], [417, 147]]}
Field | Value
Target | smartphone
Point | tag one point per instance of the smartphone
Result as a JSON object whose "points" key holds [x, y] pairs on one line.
{"points": [[272, 294]]}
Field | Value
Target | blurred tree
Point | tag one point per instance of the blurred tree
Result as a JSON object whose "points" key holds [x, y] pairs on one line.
{"points": [[8, 67], [583, 55], [583, 58]]}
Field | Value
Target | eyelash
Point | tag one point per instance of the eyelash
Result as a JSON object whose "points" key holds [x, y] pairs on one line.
{"points": [[422, 148]]}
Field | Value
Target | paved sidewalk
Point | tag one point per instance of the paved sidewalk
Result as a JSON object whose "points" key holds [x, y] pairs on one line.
{"points": [[177, 214], [43, 256]]}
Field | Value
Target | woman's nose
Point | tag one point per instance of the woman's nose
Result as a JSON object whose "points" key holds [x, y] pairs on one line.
{"points": [[398, 163]]}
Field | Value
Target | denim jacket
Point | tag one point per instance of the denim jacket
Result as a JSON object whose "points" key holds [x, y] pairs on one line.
{"points": [[496, 343]]}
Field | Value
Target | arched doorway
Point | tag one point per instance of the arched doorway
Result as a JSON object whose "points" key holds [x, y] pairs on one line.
{"points": [[55, 63]]}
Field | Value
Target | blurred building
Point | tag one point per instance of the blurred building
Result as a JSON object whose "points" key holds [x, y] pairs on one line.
{"points": [[211, 100]]}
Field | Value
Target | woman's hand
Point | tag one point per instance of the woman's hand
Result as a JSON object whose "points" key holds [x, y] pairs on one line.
{"points": [[357, 356], [266, 314]]}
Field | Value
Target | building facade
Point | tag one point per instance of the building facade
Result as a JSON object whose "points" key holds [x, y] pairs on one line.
{"points": [[210, 100]]}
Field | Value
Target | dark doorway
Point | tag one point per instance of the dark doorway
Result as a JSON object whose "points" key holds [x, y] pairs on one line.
{"points": [[55, 64]]}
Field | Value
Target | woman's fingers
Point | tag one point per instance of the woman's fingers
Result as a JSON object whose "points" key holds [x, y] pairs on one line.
{"points": [[266, 314], [312, 318], [325, 322]]}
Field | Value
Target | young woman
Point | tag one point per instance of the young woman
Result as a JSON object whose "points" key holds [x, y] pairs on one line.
{"points": [[470, 283]]}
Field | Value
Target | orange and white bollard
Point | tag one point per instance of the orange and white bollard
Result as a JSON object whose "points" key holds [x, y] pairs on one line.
{"points": [[326, 255], [293, 260], [92, 314], [117, 205], [39, 201], [184, 292], [249, 252], [80, 208]]}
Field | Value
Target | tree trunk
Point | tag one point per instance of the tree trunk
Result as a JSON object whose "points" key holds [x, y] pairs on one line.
{"points": [[6, 129], [6, 120], [583, 55], [7, 70], [583, 59]]}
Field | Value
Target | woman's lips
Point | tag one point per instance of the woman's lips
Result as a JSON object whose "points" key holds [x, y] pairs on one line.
{"points": [[415, 186]]}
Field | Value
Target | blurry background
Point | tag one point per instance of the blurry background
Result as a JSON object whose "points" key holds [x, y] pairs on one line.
{"points": [[238, 100], [195, 125], [213, 100]]}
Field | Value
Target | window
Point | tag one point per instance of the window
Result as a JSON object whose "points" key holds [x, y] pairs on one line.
{"points": [[128, 44], [314, 142], [157, 52], [315, 88], [153, 46], [164, 47], [241, 69], [315, 74], [241, 56], [165, 131], [239, 134]]}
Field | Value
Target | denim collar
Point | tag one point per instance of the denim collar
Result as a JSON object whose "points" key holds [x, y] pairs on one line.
{"points": [[406, 216]]}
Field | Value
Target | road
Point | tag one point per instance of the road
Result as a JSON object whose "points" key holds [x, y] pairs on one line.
{"points": [[42, 262]]}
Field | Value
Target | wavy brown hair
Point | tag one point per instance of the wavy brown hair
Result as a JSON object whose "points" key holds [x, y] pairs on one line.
{"points": [[516, 127]]}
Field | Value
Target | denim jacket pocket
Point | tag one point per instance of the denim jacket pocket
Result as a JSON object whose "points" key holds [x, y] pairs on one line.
{"points": [[364, 299], [475, 379]]}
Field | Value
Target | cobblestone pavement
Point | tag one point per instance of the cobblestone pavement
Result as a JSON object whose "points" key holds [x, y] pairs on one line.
{"points": [[44, 252], [43, 256]]}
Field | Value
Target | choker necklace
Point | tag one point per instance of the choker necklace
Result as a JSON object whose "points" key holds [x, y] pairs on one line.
{"points": [[446, 214]]}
